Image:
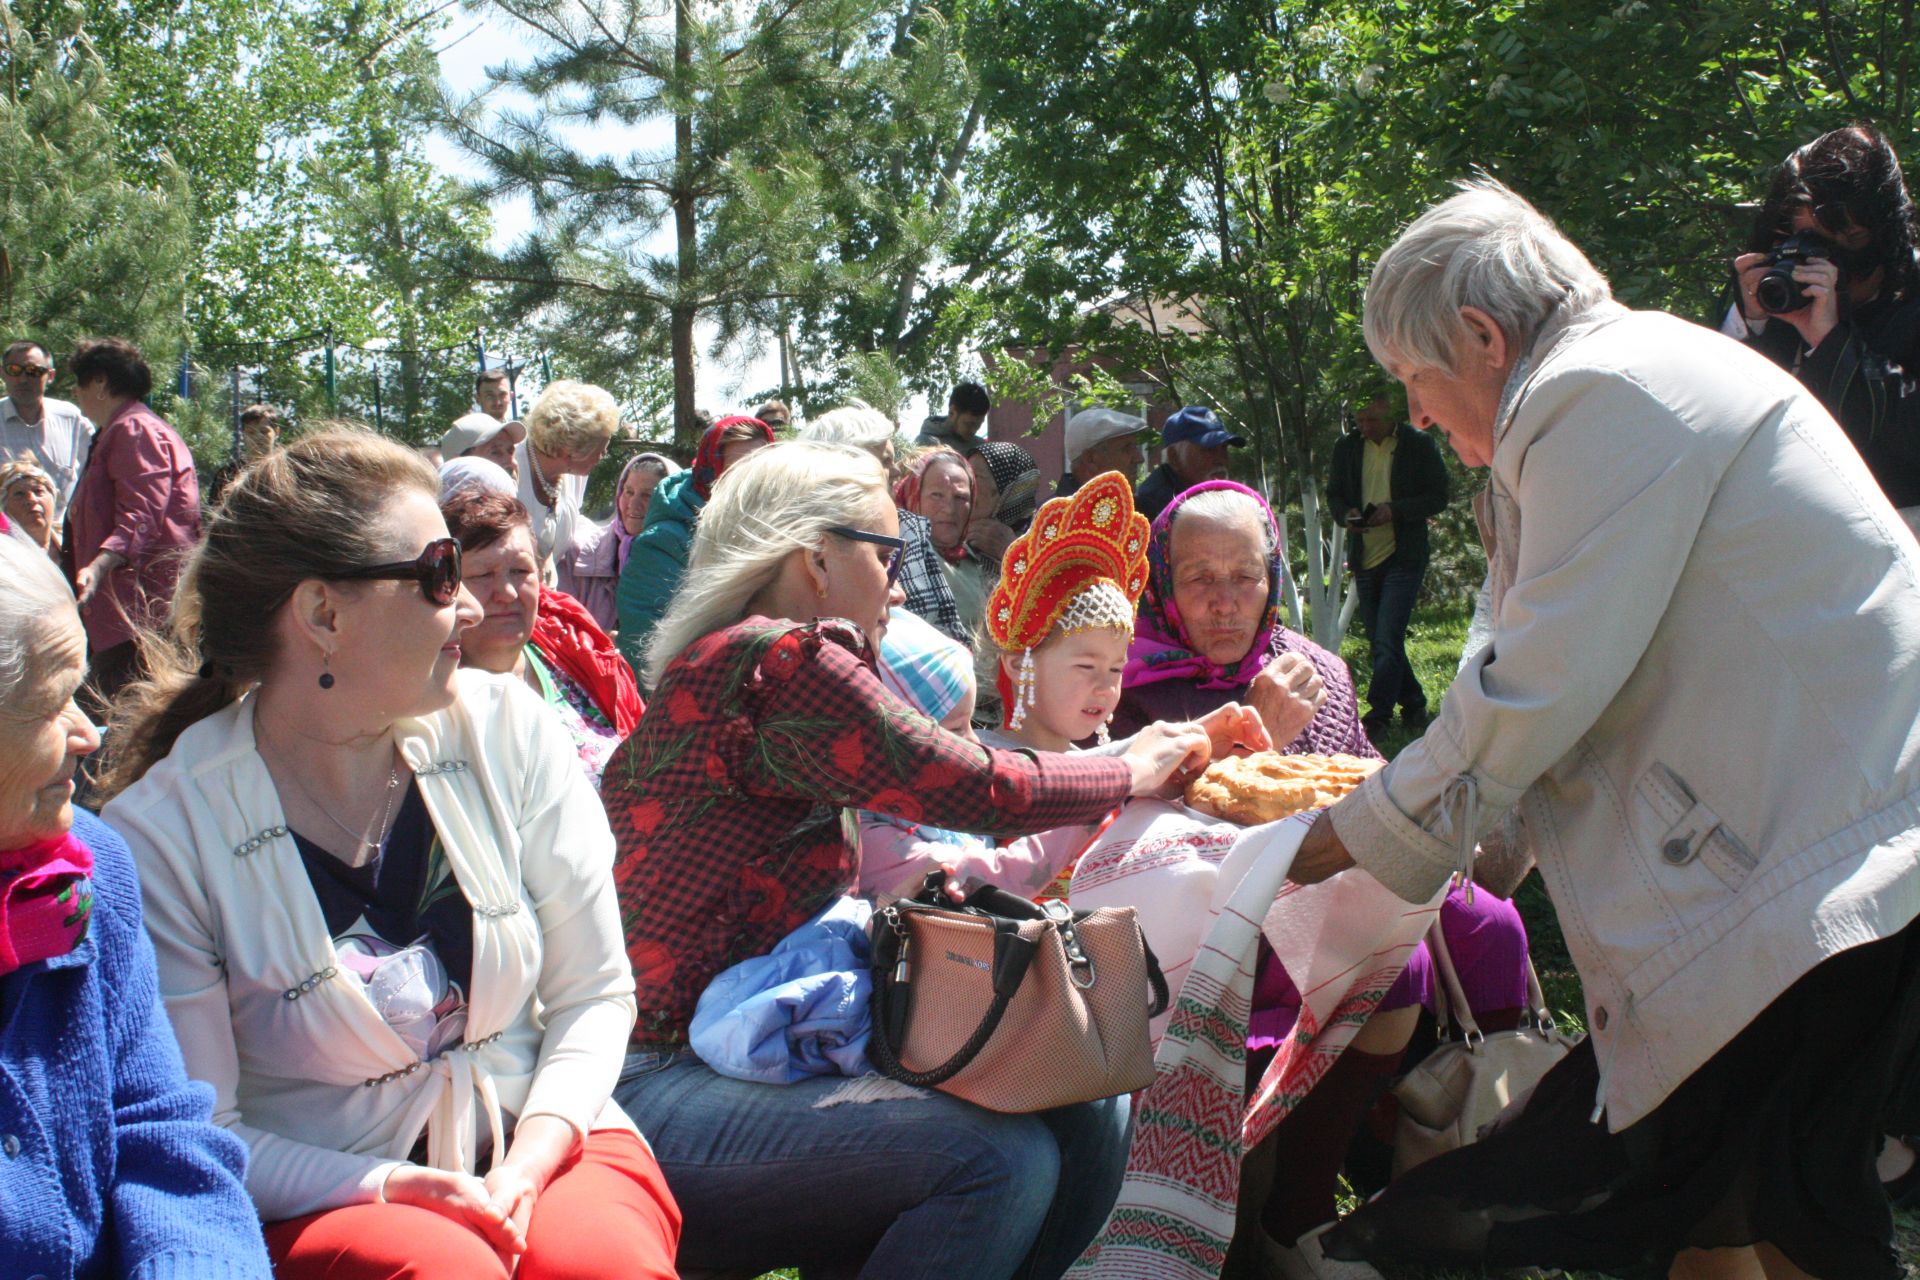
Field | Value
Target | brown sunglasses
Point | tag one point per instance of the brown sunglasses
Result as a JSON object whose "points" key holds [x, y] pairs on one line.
{"points": [[436, 569]]}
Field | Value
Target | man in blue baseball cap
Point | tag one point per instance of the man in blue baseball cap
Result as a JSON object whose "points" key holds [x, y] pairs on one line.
{"points": [[1196, 450]]}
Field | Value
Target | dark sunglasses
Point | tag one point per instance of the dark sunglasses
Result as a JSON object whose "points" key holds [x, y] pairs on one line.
{"points": [[436, 569], [15, 370], [898, 546]]}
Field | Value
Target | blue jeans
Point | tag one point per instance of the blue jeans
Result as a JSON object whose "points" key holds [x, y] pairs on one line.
{"points": [[929, 1187], [1387, 592]]}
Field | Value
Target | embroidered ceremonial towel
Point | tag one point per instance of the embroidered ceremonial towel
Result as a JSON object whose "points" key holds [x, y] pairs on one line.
{"points": [[1206, 891]]}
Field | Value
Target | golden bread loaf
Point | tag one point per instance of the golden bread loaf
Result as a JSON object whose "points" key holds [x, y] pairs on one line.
{"points": [[1267, 786]]}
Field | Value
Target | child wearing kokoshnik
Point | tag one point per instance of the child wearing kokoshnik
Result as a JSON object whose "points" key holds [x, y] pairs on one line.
{"points": [[1062, 614], [935, 675], [1062, 617]]}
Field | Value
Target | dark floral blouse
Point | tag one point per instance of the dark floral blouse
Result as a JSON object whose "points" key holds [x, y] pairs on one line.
{"points": [[733, 802]]}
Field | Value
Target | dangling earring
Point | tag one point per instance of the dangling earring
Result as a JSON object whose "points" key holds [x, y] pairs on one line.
{"points": [[1100, 735], [1022, 692], [326, 676]]}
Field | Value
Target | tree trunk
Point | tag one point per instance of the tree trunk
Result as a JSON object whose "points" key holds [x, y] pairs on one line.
{"points": [[685, 229]]}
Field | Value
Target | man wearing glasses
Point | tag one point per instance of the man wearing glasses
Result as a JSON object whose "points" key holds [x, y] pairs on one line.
{"points": [[35, 427]]}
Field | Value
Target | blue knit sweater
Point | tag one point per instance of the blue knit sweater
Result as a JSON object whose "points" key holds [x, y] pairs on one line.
{"points": [[109, 1163]]}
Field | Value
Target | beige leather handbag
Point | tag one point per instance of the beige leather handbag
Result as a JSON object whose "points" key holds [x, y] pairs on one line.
{"points": [[1012, 1005], [1461, 1087]]}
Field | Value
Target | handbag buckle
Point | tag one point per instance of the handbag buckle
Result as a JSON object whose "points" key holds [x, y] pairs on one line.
{"points": [[1061, 917]]}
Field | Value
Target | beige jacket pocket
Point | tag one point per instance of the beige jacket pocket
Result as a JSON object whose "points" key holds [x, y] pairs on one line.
{"points": [[1681, 830]]}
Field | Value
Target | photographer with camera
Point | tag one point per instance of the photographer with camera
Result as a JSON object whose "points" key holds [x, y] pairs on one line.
{"points": [[1831, 290]]}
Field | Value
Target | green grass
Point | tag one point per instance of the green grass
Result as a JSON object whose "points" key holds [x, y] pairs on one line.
{"points": [[1433, 643]]}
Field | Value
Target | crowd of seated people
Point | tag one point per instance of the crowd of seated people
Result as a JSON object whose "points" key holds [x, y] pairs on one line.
{"points": [[429, 809]]}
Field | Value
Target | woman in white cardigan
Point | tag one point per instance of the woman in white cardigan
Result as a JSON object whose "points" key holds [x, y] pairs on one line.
{"points": [[381, 894]]}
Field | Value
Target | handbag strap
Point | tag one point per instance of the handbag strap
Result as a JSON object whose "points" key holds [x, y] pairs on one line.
{"points": [[888, 1059], [1012, 957], [1456, 1003], [1452, 996]]}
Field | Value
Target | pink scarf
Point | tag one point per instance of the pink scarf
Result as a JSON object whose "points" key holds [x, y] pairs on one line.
{"points": [[46, 900], [1161, 648]]}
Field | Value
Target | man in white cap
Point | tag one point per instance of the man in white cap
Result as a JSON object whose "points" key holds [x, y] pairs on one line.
{"points": [[481, 435], [1099, 441]]}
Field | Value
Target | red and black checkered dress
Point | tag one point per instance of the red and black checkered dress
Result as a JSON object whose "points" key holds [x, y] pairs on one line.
{"points": [[732, 802]]}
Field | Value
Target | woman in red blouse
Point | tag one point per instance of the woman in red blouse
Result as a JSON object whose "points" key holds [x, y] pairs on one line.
{"points": [[733, 806]]}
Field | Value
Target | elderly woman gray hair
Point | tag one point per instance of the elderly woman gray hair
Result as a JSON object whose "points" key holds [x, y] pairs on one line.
{"points": [[111, 1152], [1699, 712]]}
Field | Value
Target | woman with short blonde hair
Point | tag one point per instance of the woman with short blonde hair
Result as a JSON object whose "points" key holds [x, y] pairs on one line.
{"points": [[568, 430], [1701, 701]]}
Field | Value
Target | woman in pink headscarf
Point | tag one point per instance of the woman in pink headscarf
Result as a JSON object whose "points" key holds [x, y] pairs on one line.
{"points": [[1209, 633], [591, 574]]}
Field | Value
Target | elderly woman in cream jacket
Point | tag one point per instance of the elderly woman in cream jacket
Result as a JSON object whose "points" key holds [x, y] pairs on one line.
{"points": [[1699, 712], [381, 895]]}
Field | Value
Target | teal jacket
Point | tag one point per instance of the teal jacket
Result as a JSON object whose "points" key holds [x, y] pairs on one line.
{"points": [[655, 562]]}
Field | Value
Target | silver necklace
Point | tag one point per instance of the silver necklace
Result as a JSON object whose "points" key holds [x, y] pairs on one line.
{"points": [[363, 848]]}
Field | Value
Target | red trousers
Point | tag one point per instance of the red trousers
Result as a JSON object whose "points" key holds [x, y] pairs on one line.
{"points": [[606, 1214]]}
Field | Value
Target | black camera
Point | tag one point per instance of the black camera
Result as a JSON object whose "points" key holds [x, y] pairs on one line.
{"points": [[1777, 291]]}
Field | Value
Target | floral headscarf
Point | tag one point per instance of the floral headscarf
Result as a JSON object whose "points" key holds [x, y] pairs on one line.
{"points": [[1161, 648], [707, 462], [47, 899], [1017, 476], [906, 494]]}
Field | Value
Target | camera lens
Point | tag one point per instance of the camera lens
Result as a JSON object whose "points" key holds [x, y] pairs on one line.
{"points": [[1777, 293]]}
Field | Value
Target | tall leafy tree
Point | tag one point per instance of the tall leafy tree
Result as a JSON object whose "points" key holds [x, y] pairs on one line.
{"points": [[633, 249], [1252, 158], [346, 235], [896, 131], [302, 128], [1196, 185]]}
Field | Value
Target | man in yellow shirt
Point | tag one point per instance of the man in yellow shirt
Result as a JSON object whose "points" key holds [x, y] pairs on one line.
{"points": [[1387, 480]]}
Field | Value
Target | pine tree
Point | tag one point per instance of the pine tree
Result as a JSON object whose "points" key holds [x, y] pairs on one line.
{"points": [[801, 143], [85, 248]]}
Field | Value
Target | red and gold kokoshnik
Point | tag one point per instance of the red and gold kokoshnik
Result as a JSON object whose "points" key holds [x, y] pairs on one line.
{"points": [[1073, 544]]}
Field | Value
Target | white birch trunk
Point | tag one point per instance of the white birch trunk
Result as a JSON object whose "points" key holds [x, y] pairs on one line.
{"points": [[1330, 597]]}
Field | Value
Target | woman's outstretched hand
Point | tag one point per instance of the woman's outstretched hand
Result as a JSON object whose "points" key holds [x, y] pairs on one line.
{"points": [[1236, 730], [1163, 756]]}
